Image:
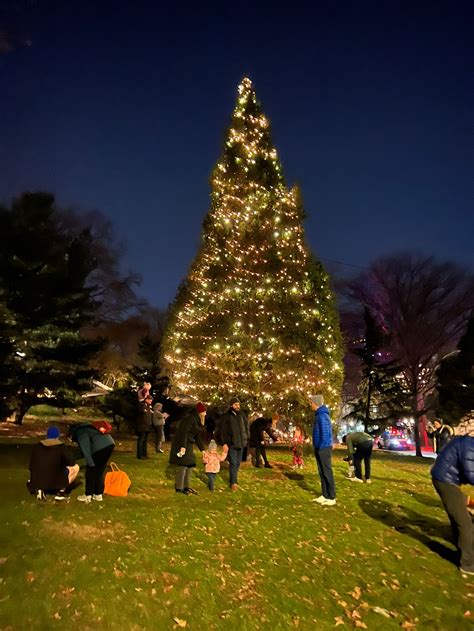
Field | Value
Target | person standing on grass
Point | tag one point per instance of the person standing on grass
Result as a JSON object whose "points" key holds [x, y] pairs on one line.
{"points": [[158, 421], [440, 434], [322, 443], [96, 447], [258, 428], [359, 448], [234, 432], [297, 443], [212, 461], [454, 466], [143, 427], [188, 433]]}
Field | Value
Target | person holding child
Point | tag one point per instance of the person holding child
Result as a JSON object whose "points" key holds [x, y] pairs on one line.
{"points": [[212, 461]]}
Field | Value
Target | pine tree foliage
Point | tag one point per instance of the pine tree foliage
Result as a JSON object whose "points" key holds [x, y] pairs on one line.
{"points": [[256, 315], [43, 293], [455, 379]]}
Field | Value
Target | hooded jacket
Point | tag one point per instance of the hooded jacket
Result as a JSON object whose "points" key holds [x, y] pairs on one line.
{"points": [[322, 428], [48, 462], [455, 462], [90, 440]]}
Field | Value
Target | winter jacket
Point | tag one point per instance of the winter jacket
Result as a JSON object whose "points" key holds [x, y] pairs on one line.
{"points": [[188, 433], [257, 429], [158, 419], [90, 440], [355, 439], [212, 460], [144, 418], [234, 429], [455, 462], [48, 463], [441, 437], [322, 428]]}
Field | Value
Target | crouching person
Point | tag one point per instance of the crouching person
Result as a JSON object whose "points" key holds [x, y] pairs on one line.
{"points": [[96, 445], [52, 467]]}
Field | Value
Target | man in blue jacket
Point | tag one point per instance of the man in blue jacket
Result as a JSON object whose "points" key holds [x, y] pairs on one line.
{"points": [[322, 443], [455, 466]]}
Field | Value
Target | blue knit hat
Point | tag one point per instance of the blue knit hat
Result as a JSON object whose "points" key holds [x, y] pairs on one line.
{"points": [[53, 432]]}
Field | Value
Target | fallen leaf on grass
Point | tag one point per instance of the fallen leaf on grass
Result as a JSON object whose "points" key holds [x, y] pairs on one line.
{"points": [[339, 620], [359, 624], [305, 579], [57, 616], [167, 588], [30, 577], [408, 625], [356, 593], [381, 611], [467, 614], [3, 560], [180, 623]]}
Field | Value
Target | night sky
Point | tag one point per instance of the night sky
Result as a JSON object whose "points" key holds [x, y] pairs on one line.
{"points": [[123, 108]]}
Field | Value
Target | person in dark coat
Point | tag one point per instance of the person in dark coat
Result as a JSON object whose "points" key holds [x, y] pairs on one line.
{"points": [[234, 432], [258, 428], [440, 434], [188, 433], [455, 466], [52, 467], [143, 427], [96, 447]]}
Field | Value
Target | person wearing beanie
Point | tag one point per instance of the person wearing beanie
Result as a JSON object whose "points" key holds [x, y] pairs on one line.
{"points": [[158, 421], [234, 432], [322, 444], [188, 433], [212, 461], [454, 466], [52, 467], [96, 448]]}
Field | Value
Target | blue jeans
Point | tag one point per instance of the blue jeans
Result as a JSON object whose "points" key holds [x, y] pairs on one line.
{"points": [[235, 458], [211, 480], [142, 445], [323, 460]]}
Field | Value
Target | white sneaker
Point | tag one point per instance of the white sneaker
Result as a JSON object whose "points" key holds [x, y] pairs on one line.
{"points": [[319, 499], [369, 481], [40, 495], [97, 498], [356, 480], [87, 499], [328, 502]]}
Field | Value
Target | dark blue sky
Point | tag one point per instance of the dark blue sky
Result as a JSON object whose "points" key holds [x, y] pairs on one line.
{"points": [[123, 108]]}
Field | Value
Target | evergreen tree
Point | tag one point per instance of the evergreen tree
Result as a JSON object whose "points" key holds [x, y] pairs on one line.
{"points": [[43, 273], [256, 316], [455, 379], [383, 395]]}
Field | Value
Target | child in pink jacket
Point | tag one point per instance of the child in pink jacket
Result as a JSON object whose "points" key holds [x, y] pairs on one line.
{"points": [[213, 460]]}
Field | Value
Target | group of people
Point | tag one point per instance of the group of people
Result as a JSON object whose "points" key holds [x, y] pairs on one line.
{"points": [[54, 471], [52, 466]]}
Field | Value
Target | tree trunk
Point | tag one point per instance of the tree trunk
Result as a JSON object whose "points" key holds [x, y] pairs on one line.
{"points": [[416, 417], [367, 408], [20, 412]]}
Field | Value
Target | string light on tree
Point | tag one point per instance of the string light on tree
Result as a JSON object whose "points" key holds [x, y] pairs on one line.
{"points": [[255, 315]]}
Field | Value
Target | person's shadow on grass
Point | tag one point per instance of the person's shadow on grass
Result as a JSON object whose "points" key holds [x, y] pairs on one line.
{"points": [[409, 522], [300, 480], [425, 499]]}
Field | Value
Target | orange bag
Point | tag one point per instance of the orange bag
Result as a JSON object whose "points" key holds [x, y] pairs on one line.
{"points": [[117, 482]]}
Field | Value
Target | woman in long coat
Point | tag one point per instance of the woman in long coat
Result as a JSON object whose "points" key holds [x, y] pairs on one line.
{"points": [[188, 433]]}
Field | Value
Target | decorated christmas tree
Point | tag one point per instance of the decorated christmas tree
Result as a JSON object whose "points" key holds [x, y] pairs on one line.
{"points": [[256, 316]]}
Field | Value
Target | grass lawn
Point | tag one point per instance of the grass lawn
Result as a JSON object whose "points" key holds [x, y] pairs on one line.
{"points": [[262, 558]]}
